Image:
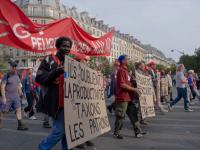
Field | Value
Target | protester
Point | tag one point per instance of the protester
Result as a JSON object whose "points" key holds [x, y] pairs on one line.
{"points": [[1, 77], [193, 85], [123, 97], [142, 69], [50, 76], [11, 93], [169, 78], [155, 79], [111, 107], [164, 87], [29, 88], [181, 82], [108, 86]]}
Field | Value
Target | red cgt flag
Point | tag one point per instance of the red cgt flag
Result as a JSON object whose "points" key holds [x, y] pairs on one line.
{"points": [[17, 30]]}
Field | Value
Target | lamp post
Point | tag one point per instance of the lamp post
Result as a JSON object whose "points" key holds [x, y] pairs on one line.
{"points": [[181, 52]]}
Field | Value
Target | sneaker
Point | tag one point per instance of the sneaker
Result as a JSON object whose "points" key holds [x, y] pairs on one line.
{"points": [[189, 110], [169, 108], [82, 146], [118, 136], [139, 135], [89, 143], [22, 128], [46, 125], [143, 133], [164, 110], [192, 103], [32, 118]]}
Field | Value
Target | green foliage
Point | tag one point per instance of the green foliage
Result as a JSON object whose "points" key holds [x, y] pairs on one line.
{"points": [[173, 68], [191, 62], [107, 69], [161, 67], [131, 66], [3, 64]]}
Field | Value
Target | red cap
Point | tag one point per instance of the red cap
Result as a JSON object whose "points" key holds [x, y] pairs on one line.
{"points": [[152, 63]]}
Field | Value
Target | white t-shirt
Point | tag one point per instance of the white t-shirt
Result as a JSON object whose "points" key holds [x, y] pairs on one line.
{"points": [[179, 77]]}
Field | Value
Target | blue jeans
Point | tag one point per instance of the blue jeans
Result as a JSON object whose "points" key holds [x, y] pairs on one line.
{"points": [[57, 134], [182, 93]]}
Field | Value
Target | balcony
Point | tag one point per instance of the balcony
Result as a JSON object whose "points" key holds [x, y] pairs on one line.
{"points": [[42, 14]]}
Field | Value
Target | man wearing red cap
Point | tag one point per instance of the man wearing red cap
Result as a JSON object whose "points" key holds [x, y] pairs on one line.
{"points": [[153, 72]]}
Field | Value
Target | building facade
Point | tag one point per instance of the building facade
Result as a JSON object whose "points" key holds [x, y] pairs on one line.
{"points": [[45, 11], [159, 57]]}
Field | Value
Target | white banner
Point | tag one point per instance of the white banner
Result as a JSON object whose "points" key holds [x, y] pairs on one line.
{"points": [[85, 109], [146, 98]]}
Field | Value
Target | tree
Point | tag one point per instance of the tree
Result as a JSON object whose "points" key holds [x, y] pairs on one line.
{"points": [[173, 68], [107, 69], [161, 67], [190, 62], [3, 64]]}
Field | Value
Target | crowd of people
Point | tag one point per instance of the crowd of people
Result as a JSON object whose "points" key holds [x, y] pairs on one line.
{"points": [[44, 93]]}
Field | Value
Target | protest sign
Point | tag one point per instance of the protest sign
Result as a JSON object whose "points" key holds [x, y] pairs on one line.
{"points": [[146, 98], [84, 103], [164, 86]]}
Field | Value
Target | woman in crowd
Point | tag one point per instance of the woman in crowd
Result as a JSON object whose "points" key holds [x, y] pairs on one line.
{"points": [[181, 82]]}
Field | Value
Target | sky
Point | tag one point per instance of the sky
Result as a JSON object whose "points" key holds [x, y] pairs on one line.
{"points": [[165, 24]]}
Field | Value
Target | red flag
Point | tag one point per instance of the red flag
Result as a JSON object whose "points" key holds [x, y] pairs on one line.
{"points": [[18, 31]]}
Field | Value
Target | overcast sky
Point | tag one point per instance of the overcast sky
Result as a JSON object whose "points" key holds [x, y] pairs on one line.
{"points": [[165, 24]]}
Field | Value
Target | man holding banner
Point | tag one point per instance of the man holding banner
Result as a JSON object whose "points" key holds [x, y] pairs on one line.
{"points": [[50, 75], [123, 97]]}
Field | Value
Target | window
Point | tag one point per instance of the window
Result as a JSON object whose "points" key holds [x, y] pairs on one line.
{"points": [[17, 53], [43, 21], [11, 53], [51, 12], [97, 33], [24, 62], [34, 11], [34, 21], [39, 1], [33, 62], [43, 11]]}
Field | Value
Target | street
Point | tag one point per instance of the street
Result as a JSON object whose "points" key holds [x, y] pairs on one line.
{"points": [[177, 130]]}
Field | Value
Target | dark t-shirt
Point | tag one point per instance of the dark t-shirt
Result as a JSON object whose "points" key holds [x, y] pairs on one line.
{"points": [[123, 95], [12, 81]]}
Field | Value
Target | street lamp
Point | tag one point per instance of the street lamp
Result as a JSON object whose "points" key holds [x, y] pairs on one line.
{"points": [[181, 52]]}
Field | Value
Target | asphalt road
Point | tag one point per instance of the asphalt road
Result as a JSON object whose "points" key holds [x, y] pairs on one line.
{"points": [[177, 130]]}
